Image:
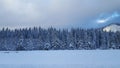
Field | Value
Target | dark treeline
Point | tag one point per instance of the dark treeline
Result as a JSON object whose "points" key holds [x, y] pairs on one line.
{"points": [[53, 39]]}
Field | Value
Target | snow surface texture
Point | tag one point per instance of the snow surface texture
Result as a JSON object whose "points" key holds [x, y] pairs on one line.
{"points": [[61, 59], [112, 28]]}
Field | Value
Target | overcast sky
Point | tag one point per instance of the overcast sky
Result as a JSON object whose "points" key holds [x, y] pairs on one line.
{"points": [[57, 13]]}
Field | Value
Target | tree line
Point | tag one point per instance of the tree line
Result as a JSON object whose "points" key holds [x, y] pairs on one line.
{"points": [[58, 39]]}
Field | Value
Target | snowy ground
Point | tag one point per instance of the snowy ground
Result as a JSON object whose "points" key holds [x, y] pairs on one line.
{"points": [[61, 59]]}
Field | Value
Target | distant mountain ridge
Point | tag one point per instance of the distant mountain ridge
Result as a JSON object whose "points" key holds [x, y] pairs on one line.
{"points": [[114, 27]]}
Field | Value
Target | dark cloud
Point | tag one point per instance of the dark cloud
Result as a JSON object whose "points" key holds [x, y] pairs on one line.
{"points": [[56, 13]]}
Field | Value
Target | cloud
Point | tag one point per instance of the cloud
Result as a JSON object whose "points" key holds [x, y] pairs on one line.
{"points": [[20, 8], [104, 19], [56, 13]]}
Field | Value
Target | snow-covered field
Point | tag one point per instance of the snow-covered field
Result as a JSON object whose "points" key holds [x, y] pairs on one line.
{"points": [[61, 59]]}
